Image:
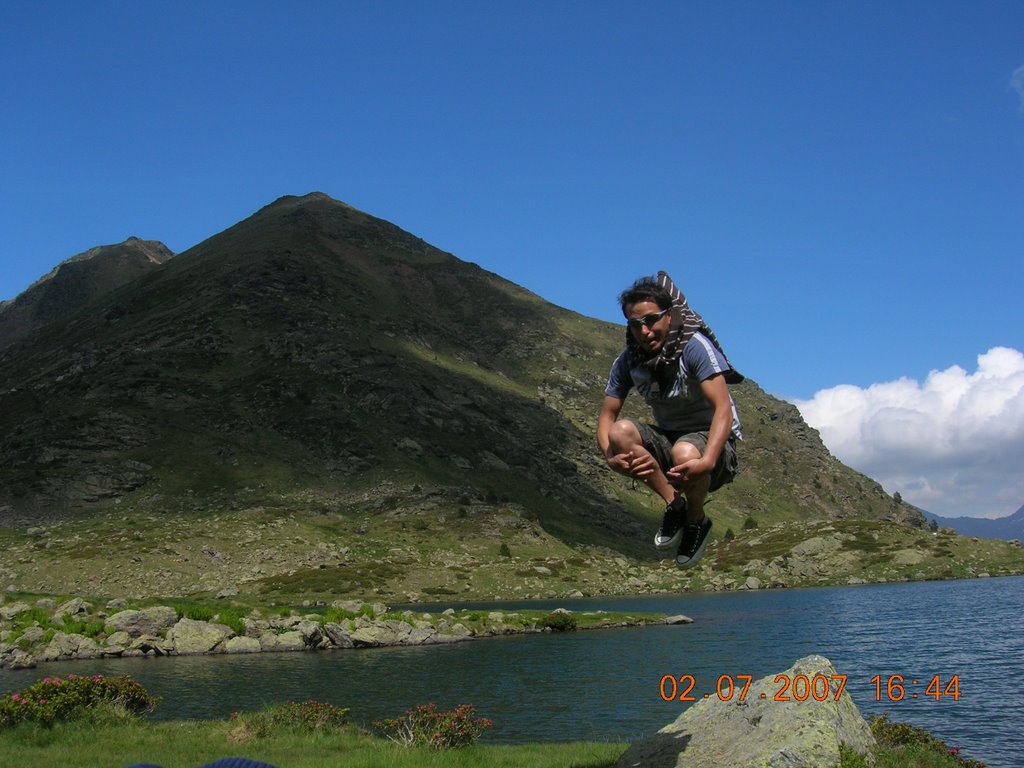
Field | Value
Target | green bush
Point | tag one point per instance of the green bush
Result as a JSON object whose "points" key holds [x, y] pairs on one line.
{"points": [[338, 615], [895, 735], [294, 717], [231, 618], [199, 613], [426, 726], [559, 621], [850, 758], [31, 618], [55, 698], [83, 627]]}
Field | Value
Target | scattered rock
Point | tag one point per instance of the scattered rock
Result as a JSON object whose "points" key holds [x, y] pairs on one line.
{"points": [[17, 659], [8, 612]]}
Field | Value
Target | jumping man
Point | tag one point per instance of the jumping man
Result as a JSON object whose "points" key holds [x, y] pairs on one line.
{"points": [[675, 363]]}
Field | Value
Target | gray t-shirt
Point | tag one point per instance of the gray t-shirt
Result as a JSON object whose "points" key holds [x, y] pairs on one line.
{"points": [[681, 407]]}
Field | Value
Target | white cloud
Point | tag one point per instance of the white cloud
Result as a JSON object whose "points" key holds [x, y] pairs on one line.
{"points": [[1017, 83], [953, 445]]}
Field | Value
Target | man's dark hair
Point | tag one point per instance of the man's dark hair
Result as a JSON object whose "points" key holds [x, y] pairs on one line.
{"points": [[645, 289]]}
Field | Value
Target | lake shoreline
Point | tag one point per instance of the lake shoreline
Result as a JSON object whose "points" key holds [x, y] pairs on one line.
{"points": [[159, 631]]}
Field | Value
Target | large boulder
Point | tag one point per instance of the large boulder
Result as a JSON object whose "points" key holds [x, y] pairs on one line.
{"points": [[338, 636], [191, 637], [760, 731], [284, 641], [242, 645], [148, 621]]}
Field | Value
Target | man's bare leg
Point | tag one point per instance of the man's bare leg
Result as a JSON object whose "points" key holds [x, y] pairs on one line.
{"points": [[624, 438], [694, 489]]}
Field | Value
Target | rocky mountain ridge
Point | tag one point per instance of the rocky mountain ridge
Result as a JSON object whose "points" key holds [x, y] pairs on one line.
{"points": [[76, 282]]}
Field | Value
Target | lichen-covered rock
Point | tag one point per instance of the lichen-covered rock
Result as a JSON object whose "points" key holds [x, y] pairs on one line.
{"points": [[242, 645], [312, 633], [8, 612], [74, 607], [191, 637], [15, 658], [286, 641], [69, 646], [338, 636], [148, 621], [149, 645], [760, 732]]}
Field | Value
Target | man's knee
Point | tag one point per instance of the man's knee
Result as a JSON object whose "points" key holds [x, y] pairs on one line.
{"points": [[684, 451], [624, 436]]}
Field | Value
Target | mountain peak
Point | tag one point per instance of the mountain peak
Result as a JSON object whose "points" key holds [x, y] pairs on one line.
{"points": [[76, 282], [297, 201]]}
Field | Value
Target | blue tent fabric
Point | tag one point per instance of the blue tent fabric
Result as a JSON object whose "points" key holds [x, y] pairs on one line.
{"points": [[224, 762]]}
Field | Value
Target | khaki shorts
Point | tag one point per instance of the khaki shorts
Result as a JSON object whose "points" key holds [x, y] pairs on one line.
{"points": [[660, 441]]}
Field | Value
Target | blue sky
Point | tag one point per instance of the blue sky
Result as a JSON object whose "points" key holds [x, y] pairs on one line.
{"points": [[838, 187]]}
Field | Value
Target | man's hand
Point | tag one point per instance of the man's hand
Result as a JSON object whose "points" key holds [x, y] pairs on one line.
{"points": [[639, 466], [689, 470]]}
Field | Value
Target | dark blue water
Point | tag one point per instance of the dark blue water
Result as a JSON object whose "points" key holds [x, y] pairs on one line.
{"points": [[605, 685]]}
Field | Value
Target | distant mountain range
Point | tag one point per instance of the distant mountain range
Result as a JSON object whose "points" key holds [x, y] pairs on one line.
{"points": [[317, 354], [1009, 527]]}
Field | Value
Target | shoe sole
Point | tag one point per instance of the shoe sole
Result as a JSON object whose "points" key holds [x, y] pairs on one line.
{"points": [[660, 543], [696, 555]]}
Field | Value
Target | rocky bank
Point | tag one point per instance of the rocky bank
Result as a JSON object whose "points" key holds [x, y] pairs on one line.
{"points": [[30, 634]]}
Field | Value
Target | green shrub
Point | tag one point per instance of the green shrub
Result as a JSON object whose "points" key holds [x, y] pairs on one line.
{"points": [[338, 615], [294, 717], [199, 613], [31, 618], [504, 551], [896, 735], [749, 524], [426, 726], [850, 758], [233, 619], [54, 698], [559, 621], [84, 627]]}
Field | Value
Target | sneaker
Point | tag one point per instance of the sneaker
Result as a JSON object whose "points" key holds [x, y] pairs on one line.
{"points": [[695, 539], [671, 531]]}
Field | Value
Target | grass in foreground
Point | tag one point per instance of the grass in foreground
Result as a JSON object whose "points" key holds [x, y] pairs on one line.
{"points": [[189, 744], [94, 743], [97, 721]]}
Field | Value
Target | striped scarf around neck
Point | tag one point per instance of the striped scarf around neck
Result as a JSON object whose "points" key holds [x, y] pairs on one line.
{"points": [[683, 323]]}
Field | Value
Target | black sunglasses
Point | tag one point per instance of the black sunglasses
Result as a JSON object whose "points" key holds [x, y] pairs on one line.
{"points": [[647, 321]]}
